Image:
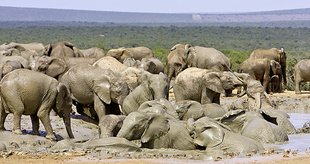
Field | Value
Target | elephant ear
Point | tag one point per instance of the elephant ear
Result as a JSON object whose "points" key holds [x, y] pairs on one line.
{"points": [[56, 67], [209, 135], [102, 89], [230, 116], [213, 82], [68, 44], [158, 126], [63, 100], [19, 48], [77, 52]]}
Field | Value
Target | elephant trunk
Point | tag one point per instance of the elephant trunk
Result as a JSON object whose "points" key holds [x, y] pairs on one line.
{"points": [[67, 122]]}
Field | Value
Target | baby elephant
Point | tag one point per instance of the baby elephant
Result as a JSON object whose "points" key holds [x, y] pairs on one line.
{"points": [[26, 92]]}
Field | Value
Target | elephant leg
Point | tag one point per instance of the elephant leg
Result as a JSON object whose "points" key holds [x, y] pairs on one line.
{"points": [[228, 93], [17, 119], [297, 87], [101, 112], [35, 124], [43, 115]]}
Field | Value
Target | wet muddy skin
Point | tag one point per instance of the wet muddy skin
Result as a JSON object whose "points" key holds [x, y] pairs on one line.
{"points": [[87, 147]]}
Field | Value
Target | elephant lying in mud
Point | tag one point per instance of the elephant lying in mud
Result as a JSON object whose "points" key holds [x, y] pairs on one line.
{"points": [[156, 131], [265, 127], [137, 53], [204, 86], [25, 92], [213, 135]]}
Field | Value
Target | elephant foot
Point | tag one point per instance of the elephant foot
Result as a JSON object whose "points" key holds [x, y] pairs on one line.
{"points": [[51, 137], [17, 131], [297, 92]]}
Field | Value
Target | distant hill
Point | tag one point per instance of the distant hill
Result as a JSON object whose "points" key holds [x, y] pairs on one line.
{"points": [[296, 17]]}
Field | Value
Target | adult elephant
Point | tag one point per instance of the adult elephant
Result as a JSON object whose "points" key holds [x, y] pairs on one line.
{"points": [[153, 87], [137, 53], [275, 54], [214, 135], [203, 85], [301, 74], [152, 65], [182, 56], [62, 49], [262, 70], [111, 63], [37, 47], [96, 87], [23, 94]]}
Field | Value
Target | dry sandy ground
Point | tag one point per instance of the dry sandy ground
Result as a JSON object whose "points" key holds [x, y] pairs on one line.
{"points": [[35, 149]]}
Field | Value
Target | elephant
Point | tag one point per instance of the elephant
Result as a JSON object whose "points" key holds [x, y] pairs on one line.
{"points": [[187, 109], [26, 92], [160, 106], [257, 97], [152, 64], [262, 70], [261, 127], [111, 124], [156, 131], [203, 85], [62, 49], [272, 54], [214, 135], [37, 47], [301, 74], [24, 62], [55, 66], [93, 52], [153, 87], [136, 52], [90, 85], [162, 132], [111, 63], [176, 60], [9, 66]]}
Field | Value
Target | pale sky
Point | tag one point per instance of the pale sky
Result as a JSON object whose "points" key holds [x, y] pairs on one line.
{"points": [[163, 6]]}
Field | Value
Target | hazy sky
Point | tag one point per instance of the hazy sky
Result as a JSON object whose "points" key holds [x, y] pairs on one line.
{"points": [[163, 6]]}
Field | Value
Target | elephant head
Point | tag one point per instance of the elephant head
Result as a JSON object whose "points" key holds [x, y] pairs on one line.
{"points": [[134, 125], [158, 85], [63, 107], [110, 89], [9, 66], [206, 133], [221, 81], [62, 49], [177, 60], [48, 65], [158, 126]]}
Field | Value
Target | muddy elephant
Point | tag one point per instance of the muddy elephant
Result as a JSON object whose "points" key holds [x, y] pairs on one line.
{"points": [[263, 70], [154, 86], [23, 94], [152, 64], [102, 89], [176, 60], [187, 109], [62, 49], [9, 66], [204, 86], [111, 63], [37, 47], [278, 55], [156, 131], [184, 56], [301, 73], [214, 135], [137, 53], [262, 127], [93, 52], [257, 97]]}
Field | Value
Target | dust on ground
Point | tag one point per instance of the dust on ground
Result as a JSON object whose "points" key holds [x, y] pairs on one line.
{"points": [[29, 148]]}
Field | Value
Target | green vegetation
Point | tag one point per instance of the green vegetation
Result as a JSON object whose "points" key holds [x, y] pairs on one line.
{"points": [[236, 42]]}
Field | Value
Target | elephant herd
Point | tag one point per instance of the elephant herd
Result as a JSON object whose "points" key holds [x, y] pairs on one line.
{"points": [[126, 91]]}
